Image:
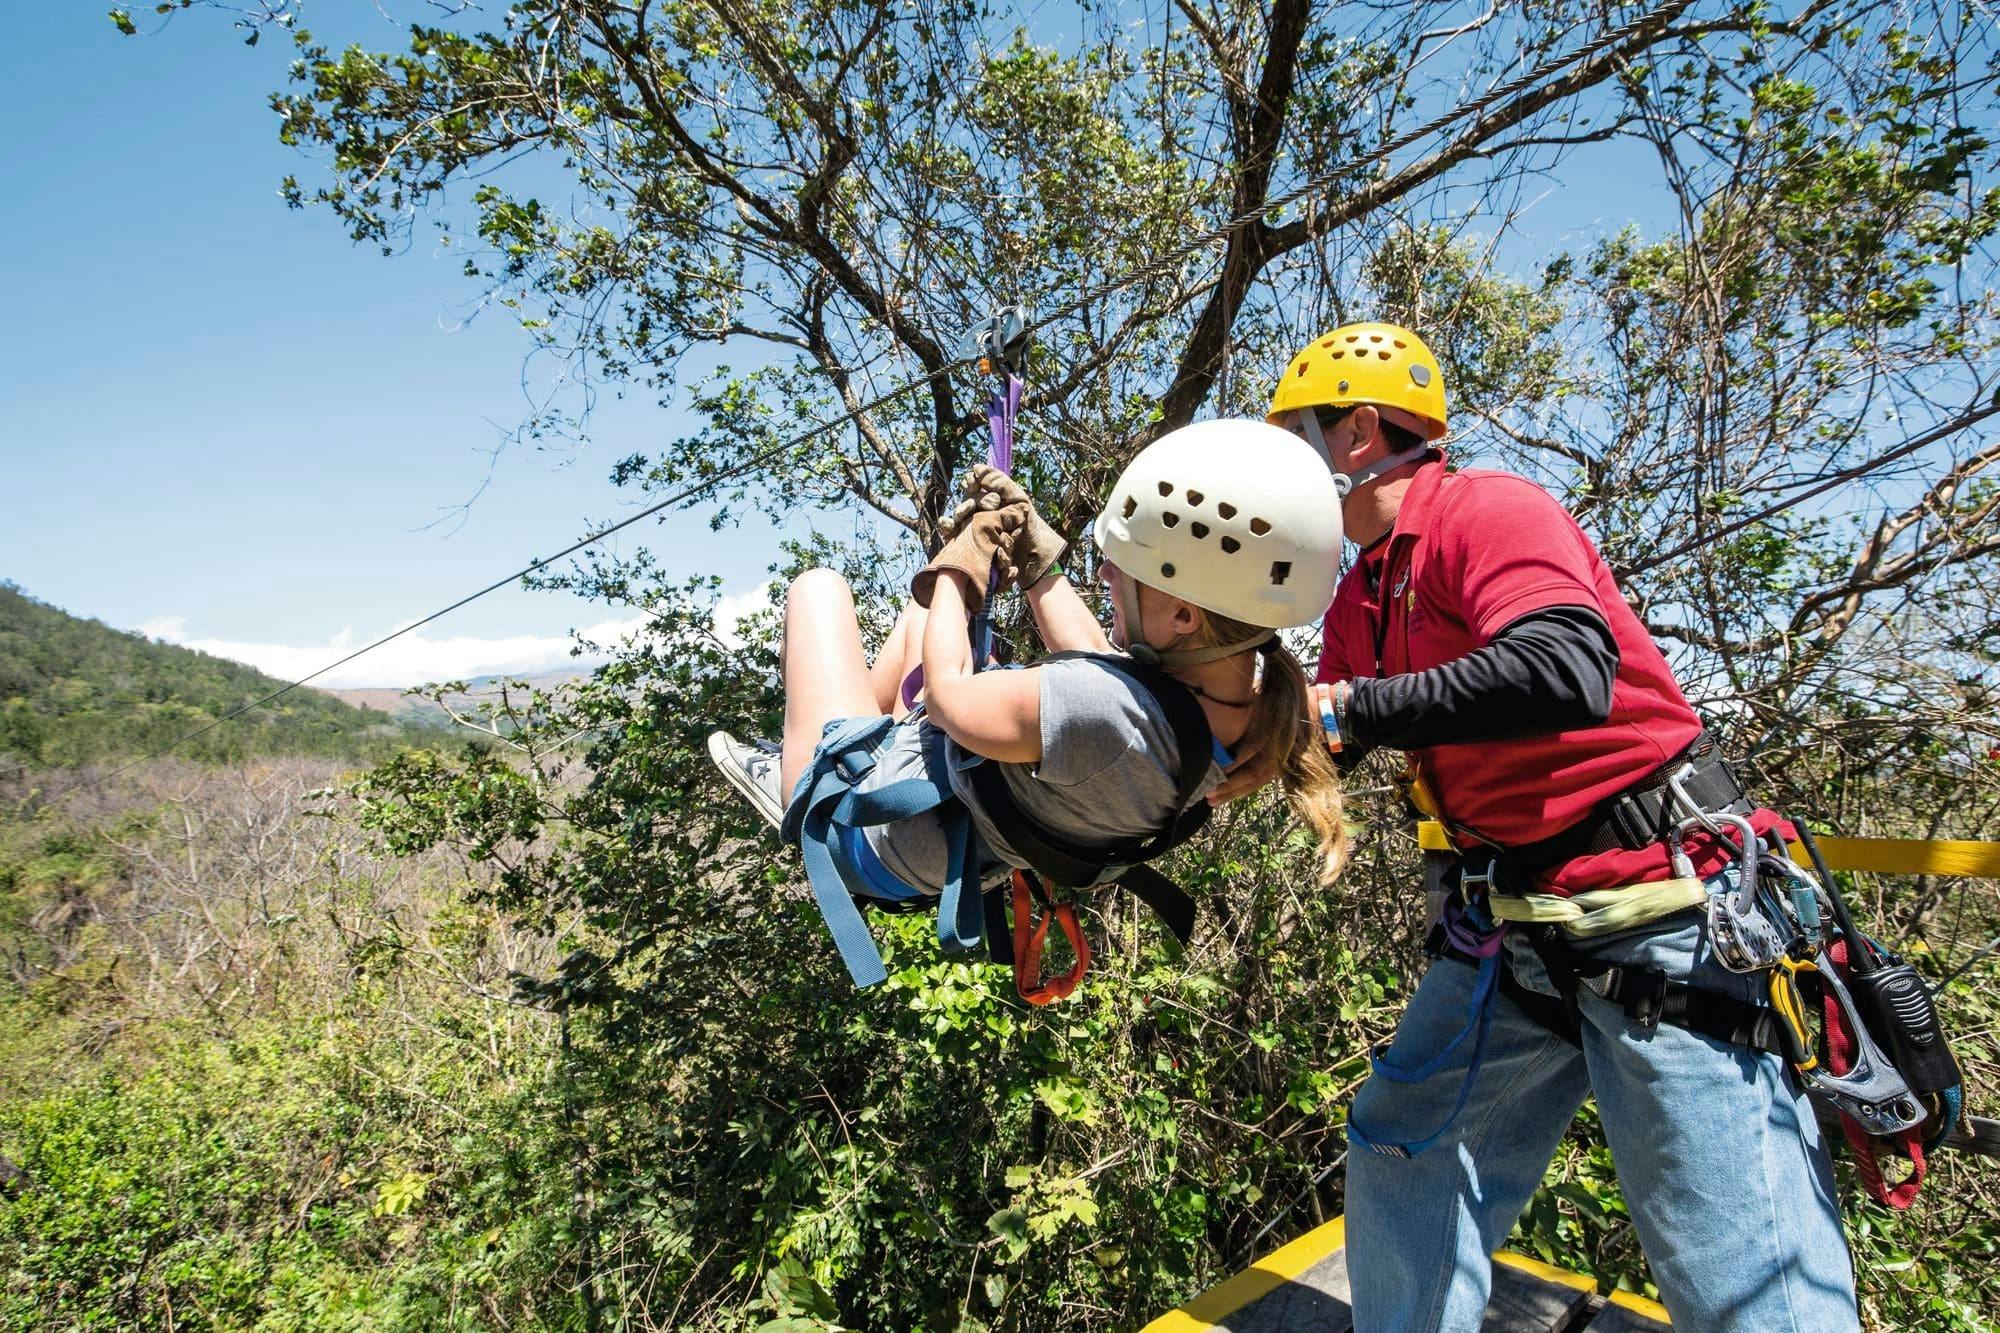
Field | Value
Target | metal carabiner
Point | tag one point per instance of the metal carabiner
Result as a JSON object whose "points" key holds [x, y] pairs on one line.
{"points": [[1743, 937], [1806, 894], [1795, 1030]]}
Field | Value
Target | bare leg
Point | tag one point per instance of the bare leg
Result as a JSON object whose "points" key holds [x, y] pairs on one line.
{"points": [[825, 669], [902, 652]]}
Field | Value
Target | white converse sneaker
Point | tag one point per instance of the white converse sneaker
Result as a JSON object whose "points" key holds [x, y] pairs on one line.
{"points": [[753, 770]]}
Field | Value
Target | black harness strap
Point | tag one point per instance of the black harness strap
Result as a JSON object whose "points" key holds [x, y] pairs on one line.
{"points": [[1649, 997], [1640, 816], [1074, 865], [1645, 993]]}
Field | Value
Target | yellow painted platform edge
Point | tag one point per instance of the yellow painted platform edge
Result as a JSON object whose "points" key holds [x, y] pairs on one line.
{"points": [[1266, 1275], [1639, 1305], [1546, 1272], [1286, 1263]]}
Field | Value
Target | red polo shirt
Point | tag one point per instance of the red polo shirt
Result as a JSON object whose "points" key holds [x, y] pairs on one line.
{"points": [[1472, 552]]}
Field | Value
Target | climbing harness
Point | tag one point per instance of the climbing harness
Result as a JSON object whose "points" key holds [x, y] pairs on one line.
{"points": [[1880, 1062], [830, 803], [828, 817]]}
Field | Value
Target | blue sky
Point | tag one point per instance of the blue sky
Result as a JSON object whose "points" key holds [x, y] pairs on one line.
{"points": [[223, 422], [226, 425]]}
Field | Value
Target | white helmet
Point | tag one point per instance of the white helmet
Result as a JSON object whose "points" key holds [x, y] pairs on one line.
{"points": [[1237, 517]]}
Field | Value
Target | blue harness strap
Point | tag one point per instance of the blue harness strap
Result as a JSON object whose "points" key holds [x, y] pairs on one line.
{"points": [[827, 807], [1479, 1008], [1478, 1022]]}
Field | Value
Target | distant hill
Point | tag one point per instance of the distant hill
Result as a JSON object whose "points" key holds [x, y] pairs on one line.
{"points": [[74, 691], [423, 711]]}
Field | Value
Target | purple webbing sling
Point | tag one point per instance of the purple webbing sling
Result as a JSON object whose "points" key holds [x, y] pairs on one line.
{"points": [[1001, 409]]}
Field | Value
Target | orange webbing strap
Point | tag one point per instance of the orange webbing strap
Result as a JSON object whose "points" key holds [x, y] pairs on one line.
{"points": [[1030, 935]]}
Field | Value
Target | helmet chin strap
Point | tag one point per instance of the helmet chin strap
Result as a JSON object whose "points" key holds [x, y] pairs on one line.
{"points": [[1172, 660], [1348, 482]]}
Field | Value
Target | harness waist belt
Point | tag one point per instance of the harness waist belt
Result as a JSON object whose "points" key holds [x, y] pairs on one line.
{"points": [[1638, 817]]}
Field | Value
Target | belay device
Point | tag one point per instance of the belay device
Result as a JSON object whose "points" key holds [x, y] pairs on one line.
{"points": [[1879, 1013]]}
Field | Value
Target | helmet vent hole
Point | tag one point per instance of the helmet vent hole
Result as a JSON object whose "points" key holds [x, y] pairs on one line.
{"points": [[1131, 507], [1226, 510], [1166, 571], [1170, 519], [1259, 528], [1280, 570], [1166, 489], [1303, 368], [1195, 497], [1199, 530], [1230, 546], [1339, 354], [1384, 354]]}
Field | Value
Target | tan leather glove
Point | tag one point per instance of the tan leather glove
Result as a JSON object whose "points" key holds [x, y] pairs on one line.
{"points": [[981, 545], [1037, 547]]}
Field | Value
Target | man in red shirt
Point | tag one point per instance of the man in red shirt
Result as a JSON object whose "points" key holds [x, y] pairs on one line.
{"points": [[1480, 632]]}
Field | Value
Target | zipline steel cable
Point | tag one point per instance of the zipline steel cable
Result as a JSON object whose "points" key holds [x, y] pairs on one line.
{"points": [[1652, 18]]}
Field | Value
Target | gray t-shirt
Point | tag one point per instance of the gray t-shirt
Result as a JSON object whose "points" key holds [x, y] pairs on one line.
{"points": [[1108, 774]]}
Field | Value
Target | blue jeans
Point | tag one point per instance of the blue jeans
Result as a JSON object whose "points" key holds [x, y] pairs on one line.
{"points": [[1721, 1162]]}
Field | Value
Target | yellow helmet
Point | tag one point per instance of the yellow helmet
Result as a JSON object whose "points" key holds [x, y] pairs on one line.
{"points": [[1379, 364]]}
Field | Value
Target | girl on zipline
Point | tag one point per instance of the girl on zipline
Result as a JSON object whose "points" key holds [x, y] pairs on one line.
{"points": [[1213, 539]]}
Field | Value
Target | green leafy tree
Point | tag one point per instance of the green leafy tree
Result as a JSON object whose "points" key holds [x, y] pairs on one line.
{"points": [[777, 213]]}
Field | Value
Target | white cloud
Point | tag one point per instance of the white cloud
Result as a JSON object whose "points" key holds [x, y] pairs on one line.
{"points": [[419, 657], [730, 612]]}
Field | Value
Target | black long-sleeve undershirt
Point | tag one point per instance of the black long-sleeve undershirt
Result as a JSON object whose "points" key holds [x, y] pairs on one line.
{"points": [[1548, 671]]}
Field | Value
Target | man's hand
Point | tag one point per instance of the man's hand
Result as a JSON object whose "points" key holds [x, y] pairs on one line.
{"points": [[1036, 547], [1251, 770]]}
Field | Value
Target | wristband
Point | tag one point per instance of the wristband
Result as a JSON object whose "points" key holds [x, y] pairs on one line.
{"points": [[1324, 698]]}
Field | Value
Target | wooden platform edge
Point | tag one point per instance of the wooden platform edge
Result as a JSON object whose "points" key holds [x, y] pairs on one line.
{"points": [[1263, 1277], [1287, 1262]]}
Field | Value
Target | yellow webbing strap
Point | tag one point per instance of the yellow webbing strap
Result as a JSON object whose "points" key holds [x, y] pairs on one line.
{"points": [[1907, 856], [1601, 911], [1883, 856]]}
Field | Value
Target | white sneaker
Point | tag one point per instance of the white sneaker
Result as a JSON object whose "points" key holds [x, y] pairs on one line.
{"points": [[753, 770]]}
